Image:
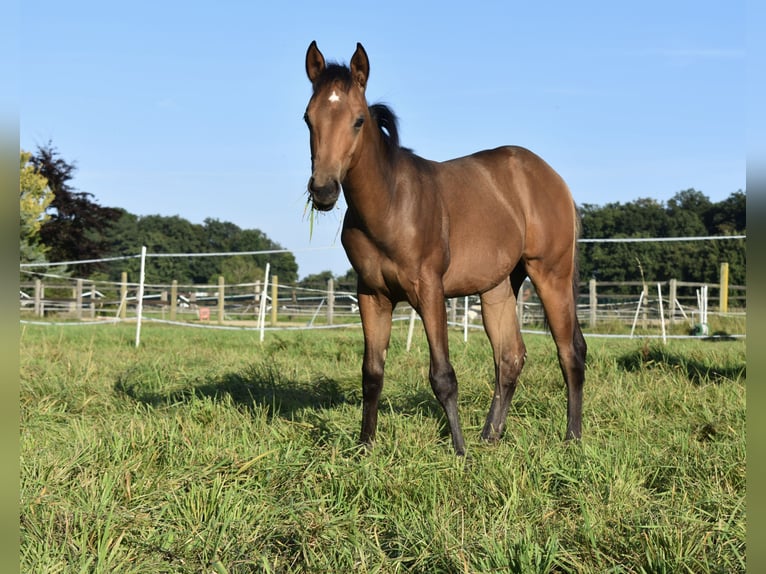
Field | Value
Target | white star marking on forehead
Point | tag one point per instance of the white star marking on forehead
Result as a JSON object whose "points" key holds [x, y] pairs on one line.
{"points": [[334, 97]]}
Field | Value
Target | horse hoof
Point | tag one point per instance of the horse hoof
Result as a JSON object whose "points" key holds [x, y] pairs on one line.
{"points": [[491, 437]]}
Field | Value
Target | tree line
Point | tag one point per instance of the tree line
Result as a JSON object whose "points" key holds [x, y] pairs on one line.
{"points": [[688, 213], [73, 226], [60, 223]]}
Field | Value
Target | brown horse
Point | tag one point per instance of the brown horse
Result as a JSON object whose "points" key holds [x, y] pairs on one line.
{"points": [[419, 231]]}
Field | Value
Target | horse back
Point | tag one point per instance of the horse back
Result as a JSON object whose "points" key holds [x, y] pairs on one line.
{"points": [[504, 205]]}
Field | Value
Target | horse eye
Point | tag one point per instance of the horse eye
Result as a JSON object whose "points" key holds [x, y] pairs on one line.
{"points": [[358, 123]]}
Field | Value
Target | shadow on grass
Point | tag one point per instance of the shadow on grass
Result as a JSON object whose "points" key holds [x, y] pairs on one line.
{"points": [[251, 389], [697, 371], [262, 388]]}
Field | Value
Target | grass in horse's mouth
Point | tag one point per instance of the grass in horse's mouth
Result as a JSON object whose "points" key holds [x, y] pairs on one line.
{"points": [[312, 213]]}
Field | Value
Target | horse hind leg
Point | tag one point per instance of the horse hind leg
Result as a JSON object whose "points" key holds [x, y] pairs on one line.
{"points": [[557, 294], [498, 307]]}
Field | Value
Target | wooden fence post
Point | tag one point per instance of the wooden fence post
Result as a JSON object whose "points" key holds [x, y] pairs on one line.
{"points": [[123, 295], [592, 302], [221, 288], [672, 296], [724, 288], [520, 305], [274, 299], [330, 300], [173, 299]]}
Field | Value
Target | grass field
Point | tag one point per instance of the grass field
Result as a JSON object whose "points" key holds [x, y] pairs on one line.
{"points": [[207, 451]]}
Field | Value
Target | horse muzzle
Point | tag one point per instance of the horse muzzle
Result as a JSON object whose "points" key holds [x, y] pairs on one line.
{"points": [[324, 196]]}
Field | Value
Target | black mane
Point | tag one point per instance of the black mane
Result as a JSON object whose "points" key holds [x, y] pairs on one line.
{"points": [[388, 124]]}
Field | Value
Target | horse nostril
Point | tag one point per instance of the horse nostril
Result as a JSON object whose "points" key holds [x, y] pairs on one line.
{"points": [[323, 196], [315, 188], [327, 188]]}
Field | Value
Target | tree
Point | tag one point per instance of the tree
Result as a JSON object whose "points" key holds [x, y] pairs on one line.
{"points": [[34, 198], [728, 216], [76, 227], [241, 269], [174, 234], [281, 264]]}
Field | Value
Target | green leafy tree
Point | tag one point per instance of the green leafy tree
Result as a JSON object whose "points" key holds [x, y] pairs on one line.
{"points": [[34, 198], [223, 236], [729, 217], [241, 269], [174, 234], [77, 224]]}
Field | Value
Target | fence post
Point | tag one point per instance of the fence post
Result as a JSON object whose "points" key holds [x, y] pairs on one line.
{"points": [[173, 299], [465, 320], [257, 299], [262, 306], [123, 295], [78, 299], [140, 295], [274, 297], [330, 300], [38, 298], [724, 288], [92, 301], [520, 305], [221, 288], [164, 302], [645, 314], [662, 312], [592, 301], [672, 297], [411, 328]]}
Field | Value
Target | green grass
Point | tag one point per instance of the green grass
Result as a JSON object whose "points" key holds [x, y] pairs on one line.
{"points": [[207, 451]]}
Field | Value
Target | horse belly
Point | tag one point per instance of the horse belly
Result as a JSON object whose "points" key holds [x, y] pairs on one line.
{"points": [[481, 261]]}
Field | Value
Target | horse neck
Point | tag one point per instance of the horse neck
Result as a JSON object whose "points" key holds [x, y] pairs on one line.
{"points": [[369, 185]]}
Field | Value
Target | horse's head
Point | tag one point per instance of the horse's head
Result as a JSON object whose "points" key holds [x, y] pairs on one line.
{"points": [[336, 116]]}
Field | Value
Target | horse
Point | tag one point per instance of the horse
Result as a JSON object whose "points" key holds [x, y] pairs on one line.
{"points": [[421, 231]]}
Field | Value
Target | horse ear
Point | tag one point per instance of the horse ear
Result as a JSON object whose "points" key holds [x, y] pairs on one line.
{"points": [[315, 64], [360, 66]]}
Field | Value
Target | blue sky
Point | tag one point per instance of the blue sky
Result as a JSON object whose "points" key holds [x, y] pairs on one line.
{"points": [[195, 109]]}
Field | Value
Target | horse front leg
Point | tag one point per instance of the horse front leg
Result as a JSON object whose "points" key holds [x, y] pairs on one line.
{"points": [[441, 374], [375, 311]]}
